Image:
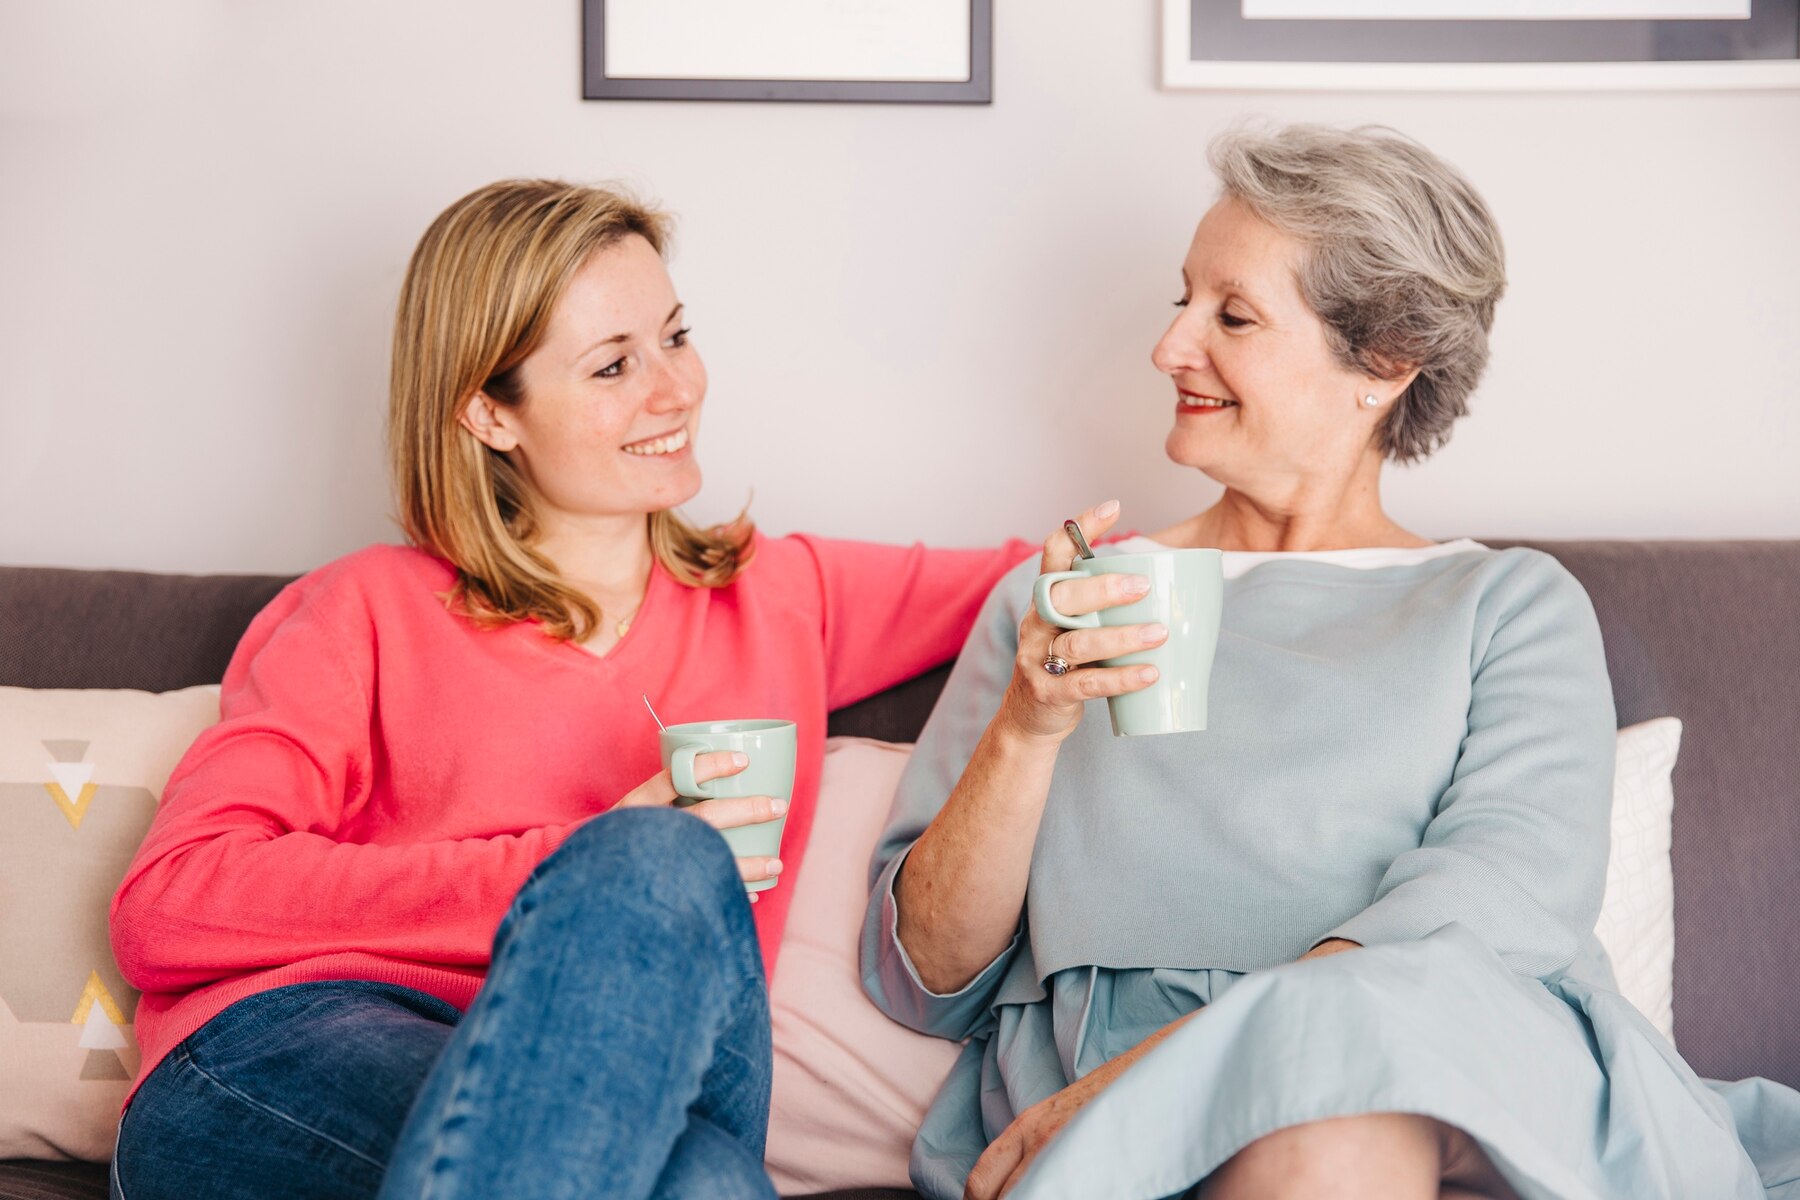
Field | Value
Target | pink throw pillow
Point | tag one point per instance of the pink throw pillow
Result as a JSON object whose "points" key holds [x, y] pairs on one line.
{"points": [[851, 1086]]}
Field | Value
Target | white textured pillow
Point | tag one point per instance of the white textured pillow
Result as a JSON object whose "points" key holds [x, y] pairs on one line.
{"points": [[1637, 918]]}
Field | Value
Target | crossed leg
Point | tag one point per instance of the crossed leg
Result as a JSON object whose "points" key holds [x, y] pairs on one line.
{"points": [[1378, 1156]]}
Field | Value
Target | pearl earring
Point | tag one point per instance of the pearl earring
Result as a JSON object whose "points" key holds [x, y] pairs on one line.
{"points": [[1369, 400]]}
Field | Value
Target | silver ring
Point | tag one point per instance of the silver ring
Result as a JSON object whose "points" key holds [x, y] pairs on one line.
{"points": [[1056, 664]]}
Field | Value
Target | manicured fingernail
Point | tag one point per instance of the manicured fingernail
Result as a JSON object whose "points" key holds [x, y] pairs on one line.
{"points": [[1133, 584], [739, 759], [1147, 675], [778, 806], [1107, 509], [774, 866], [1153, 633]]}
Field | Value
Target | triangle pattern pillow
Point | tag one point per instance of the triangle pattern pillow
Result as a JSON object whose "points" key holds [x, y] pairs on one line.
{"points": [[81, 772]]}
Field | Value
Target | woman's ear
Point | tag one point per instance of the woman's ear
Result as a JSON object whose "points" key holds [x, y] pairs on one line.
{"points": [[487, 421], [1393, 380]]}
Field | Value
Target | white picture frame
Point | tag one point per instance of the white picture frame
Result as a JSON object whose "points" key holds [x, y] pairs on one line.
{"points": [[1182, 72]]}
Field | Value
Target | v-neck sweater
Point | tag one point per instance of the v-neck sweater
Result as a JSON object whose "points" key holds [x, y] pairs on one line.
{"points": [[386, 774]]}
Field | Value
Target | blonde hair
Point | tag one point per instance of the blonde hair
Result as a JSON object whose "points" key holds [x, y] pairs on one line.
{"points": [[477, 300]]}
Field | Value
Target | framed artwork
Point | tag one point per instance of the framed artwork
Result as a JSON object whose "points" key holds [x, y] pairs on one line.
{"points": [[905, 51], [1480, 45]]}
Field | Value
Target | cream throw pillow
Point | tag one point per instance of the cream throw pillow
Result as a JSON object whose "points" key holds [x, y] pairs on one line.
{"points": [[80, 775], [1637, 918]]}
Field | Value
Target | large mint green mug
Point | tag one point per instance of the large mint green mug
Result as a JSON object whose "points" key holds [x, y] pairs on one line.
{"points": [[1187, 589], [769, 745]]}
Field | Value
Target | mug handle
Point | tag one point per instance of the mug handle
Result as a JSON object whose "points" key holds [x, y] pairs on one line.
{"points": [[681, 773], [1040, 599]]}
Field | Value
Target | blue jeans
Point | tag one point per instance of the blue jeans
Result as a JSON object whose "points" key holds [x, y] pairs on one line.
{"points": [[619, 1047]]}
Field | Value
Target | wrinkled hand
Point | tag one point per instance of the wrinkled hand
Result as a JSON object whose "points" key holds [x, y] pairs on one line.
{"points": [[1330, 946], [1004, 1162], [1039, 705], [727, 812]]}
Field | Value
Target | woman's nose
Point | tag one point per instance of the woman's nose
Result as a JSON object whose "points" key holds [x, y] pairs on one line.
{"points": [[1177, 351], [672, 389]]}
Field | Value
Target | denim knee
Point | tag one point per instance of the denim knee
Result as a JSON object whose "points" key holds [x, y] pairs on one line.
{"points": [[660, 861]]}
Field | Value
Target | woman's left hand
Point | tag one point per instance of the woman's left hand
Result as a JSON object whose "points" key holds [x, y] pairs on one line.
{"points": [[1008, 1155], [1006, 1158]]}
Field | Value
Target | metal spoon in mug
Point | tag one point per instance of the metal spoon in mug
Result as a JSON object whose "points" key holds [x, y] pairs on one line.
{"points": [[1081, 544], [653, 715]]}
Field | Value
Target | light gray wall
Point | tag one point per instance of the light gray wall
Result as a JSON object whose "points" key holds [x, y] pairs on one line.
{"points": [[920, 322]]}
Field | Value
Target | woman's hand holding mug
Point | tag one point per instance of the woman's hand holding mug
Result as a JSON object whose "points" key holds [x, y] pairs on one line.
{"points": [[1041, 705], [727, 812]]}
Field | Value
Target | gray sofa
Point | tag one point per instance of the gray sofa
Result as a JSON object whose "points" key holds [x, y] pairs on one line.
{"points": [[1705, 631]]}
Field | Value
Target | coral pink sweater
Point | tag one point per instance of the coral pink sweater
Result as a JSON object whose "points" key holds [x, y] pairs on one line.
{"points": [[385, 775]]}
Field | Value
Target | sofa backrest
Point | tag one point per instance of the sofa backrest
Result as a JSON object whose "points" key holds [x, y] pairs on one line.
{"points": [[1705, 631], [64, 628]]}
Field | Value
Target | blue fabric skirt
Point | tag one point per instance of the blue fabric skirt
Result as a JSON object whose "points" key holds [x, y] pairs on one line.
{"points": [[1571, 1092]]}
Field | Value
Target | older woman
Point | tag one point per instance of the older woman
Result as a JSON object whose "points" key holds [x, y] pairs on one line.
{"points": [[1341, 943], [417, 916]]}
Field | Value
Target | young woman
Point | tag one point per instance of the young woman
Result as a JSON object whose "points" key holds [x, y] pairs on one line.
{"points": [[418, 743]]}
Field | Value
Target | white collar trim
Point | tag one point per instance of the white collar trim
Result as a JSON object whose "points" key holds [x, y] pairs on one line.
{"points": [[1362, 558]]}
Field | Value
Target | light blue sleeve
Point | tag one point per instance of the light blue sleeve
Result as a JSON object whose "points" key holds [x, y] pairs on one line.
{"points": [[1516, 852], [970, 700]]}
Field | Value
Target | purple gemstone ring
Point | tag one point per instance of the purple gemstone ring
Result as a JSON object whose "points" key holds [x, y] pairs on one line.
{"points": [[1056, 664]]}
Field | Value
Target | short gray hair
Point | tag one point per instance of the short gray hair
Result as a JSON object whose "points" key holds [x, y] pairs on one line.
{"points": [[1404, 263]]}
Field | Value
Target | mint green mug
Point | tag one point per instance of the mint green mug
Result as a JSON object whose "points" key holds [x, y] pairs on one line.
{"points": [[769, 745], [1187, 590]]}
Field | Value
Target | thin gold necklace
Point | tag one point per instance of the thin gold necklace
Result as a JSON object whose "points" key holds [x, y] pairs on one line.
{"points": [[624, 623]]}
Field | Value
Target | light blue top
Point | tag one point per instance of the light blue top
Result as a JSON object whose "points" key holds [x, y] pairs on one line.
{"points": [[1391, 748], [1409, 749]]}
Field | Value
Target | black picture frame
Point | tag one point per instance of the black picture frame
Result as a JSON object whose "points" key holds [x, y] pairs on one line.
{"points": [[977, 89]]}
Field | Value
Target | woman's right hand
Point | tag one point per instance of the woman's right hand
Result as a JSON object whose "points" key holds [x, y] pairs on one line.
{"points": [[1040, 706], [727, 812]]}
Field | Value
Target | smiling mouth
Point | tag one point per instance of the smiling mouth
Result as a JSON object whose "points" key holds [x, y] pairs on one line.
{"points": [[1190, 400], [668, 443]]}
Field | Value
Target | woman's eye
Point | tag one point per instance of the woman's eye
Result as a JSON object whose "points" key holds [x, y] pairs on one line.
{"points": [[611, 370], [1231, 321], [680, 336]]}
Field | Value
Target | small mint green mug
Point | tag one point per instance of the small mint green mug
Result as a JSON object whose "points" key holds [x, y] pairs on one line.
{"points": [[770, 747], [1187, 590]]}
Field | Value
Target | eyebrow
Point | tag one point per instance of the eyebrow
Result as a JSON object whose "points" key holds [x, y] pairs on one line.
{"points": [[617, 338], [1236, 284]]}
